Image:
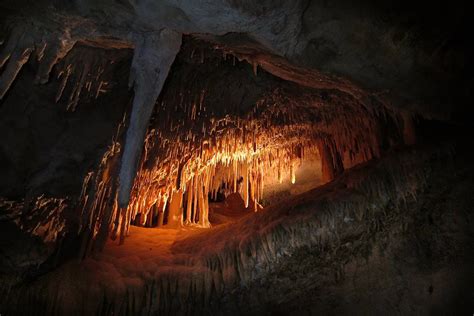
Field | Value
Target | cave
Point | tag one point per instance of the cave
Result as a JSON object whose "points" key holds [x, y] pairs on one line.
{"points": [[236, 157]]}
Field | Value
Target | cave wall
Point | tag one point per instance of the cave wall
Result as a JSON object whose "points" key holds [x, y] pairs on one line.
{"points": [[413, 51], [52, 135]]}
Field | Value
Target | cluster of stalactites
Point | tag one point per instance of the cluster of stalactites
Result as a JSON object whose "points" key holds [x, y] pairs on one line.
{"points": [[80, 76], [22, 44], [184, 199], [174, 188], [84, 79], [194, 150], [181, 170]]}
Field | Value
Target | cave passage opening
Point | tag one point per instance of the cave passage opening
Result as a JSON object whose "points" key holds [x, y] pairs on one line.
{"points": [[231, 184], [228, 138]]}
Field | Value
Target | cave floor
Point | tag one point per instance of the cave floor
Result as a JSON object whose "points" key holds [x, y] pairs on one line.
{"points": [[146, 245], [147, 254]]}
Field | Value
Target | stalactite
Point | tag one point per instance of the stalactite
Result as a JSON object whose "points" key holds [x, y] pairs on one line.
{"points": [[16, 61], [293, 174], [48, 48], [189, 206], [196, 198], [54, 50], [65, 76], [255, 67], [234, 165], [152, 61], [77, 90], [245, 184], [280, 176]]}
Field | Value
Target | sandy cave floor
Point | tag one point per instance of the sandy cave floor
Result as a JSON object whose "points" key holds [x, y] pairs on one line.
{"points": [[156, 244]]}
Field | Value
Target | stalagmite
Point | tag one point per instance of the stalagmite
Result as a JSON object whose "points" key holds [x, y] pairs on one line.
{"points": [[153, 57], [161, 217], [175, 208]]}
